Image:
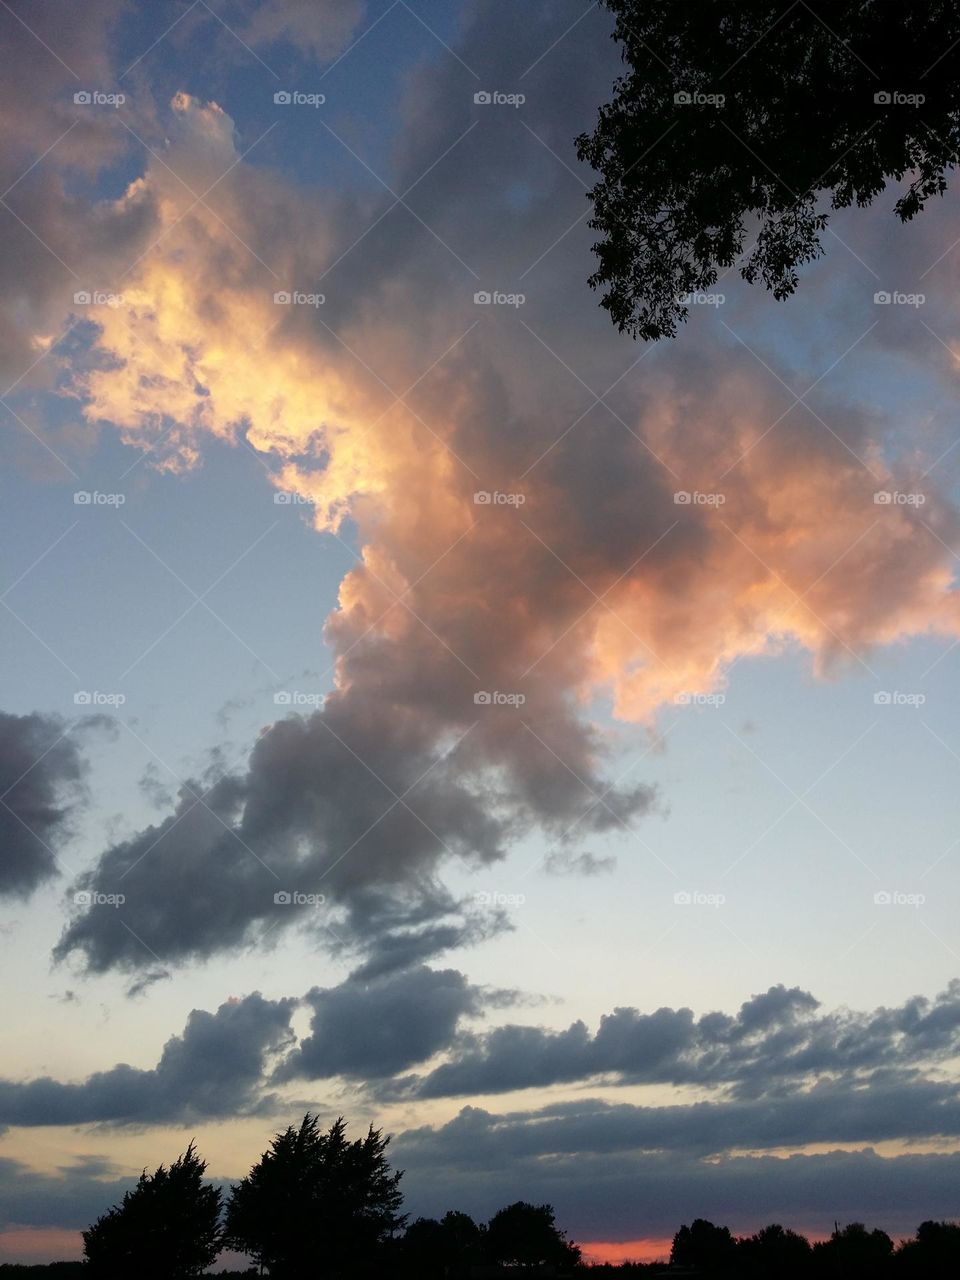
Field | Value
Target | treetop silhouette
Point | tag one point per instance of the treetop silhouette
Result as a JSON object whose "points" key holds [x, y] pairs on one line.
{"points": [[736, 121]]}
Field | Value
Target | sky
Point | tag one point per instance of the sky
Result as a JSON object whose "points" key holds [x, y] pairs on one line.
{"points": [[425, 704]]}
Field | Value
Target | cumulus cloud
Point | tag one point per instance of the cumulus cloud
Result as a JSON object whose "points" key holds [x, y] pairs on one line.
{"points": [[775, 1040], [368, 1030], [582, 577], [41, 784], [213, 1069]]}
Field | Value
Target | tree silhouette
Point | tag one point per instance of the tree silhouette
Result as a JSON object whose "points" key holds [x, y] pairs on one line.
{"points": [[934, 1252], [854, 1253], [527, 1235], [749, 110], [703, 1245], [167, 1227], [774, 1252], [445, 1248], [316, 1203]]}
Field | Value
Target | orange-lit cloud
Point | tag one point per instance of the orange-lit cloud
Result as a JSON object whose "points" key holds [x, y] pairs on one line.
{"points": [[639, 555]]}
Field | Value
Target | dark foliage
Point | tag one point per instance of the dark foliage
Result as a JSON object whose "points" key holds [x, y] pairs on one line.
{"points": [[740, 115], [527, 1235], [448, 1248], [166, 1228], [317, 1204]]}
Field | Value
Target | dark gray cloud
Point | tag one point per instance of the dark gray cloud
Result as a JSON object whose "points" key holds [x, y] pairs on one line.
{"points": [[584, 1165], [72, 1197], [359, 803], [776, 1038], [375, 1029], [831, 1113], [144, 981], [213, 1069], [41, 783]]}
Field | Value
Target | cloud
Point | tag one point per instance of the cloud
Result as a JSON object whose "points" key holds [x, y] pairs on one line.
{"points": [[72, 1197], [368, 1030], [145, 981], [563, 862], [479, 1161], [583, 578], [776, 1039], [319, 29], [56, 239], [41, 786], [214, 1069], [895, 1110]]}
